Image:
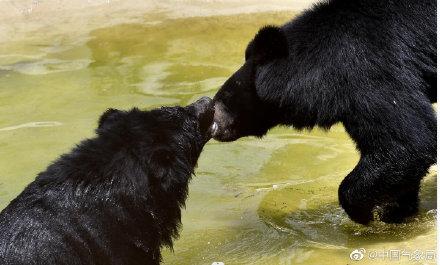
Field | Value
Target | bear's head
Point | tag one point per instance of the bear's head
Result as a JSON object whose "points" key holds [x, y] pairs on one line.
{"points": [[165, 142], [239, 110]]}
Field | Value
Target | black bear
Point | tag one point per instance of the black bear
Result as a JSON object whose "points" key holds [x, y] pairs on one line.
{"points": [[369, 64], [115, 198]]}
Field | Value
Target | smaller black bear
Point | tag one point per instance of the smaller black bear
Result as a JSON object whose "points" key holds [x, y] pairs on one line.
{"points": [[115, 198]]}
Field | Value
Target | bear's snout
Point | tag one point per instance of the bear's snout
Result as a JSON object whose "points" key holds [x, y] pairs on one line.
{"points": [[202, 106], [223, 123], [203, 109]]}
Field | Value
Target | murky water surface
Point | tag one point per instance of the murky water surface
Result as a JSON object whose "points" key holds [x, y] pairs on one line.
{"points": [[269, 201]]}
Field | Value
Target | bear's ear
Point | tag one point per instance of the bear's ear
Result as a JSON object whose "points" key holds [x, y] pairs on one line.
{"points": [[107, 117], [269, 44]]}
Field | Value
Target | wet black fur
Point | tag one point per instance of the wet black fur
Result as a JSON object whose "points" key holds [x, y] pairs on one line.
{"points": [[114, 199], [369, 64]]}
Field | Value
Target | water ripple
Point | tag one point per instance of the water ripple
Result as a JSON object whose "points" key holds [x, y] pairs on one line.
{"points": [[32, 125]]}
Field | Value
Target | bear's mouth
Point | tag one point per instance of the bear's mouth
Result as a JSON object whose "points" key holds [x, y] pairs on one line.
{"points": [[222, 135], [214, 129], [222, 128], [225, 136]]}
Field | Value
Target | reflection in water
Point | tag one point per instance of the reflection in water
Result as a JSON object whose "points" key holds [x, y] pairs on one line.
{"points": [[268, 201], [46, 66]]}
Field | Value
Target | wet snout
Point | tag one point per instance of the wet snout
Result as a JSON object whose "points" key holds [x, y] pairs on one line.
{"points": [[203, 106], [204, 111]]}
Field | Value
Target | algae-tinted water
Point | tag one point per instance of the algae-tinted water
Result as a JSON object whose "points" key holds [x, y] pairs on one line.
{"points": [[254, 201]]}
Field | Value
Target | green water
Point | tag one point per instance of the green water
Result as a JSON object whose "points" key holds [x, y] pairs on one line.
{"points": [[269, 201]]}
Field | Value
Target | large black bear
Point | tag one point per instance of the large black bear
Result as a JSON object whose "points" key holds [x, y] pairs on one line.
{"points": [[116, 198], [369, 64]]}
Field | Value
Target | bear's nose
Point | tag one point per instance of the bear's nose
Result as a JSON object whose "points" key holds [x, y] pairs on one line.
{"points": [[202, 106]]}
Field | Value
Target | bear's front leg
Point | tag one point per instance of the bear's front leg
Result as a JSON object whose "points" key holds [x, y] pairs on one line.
{"points": [[390, 185], [407, 205], [395, 133], [357, 195]]}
